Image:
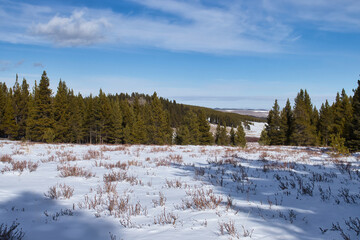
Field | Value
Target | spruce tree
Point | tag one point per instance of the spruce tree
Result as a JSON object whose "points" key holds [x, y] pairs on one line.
{"points": [[9, 123], [183, 136], [304, 133], [240, 139], [222, 139], [42, 119], [3, 101], [354, 140], [286, 123], [205, 136], [62, 114], [232, 136], [325, 122], [273, 125]]}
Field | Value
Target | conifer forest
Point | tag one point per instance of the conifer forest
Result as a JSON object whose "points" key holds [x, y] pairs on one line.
{"points": [[41, 115]]}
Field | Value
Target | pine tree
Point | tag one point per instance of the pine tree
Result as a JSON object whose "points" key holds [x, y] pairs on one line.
{"points": [[240, 139], [77, 111], [205, 136], [9, 123], [192, 124], [139, 127], [62, 114], [222, 139], [232, 136], [304, 133], [325, 122], [3, 101], [286, 123], [264, 138], [273, 125], [159, 130], [354, 140], [42, 119], [182, 135]]}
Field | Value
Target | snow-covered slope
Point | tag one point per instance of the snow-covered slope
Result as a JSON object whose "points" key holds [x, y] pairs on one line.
{"points": [[177, 192]]}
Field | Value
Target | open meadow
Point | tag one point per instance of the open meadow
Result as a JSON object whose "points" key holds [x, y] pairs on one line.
{"points": [[68, 191]]}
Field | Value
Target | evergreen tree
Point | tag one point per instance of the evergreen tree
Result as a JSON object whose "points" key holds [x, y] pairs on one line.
{"points": [[304, 133], [264, 138], [325, 122], [354, 140], [62, 114], [222, 139], [240, 139], [183, 136], [139, 127], [159, 130], [77, 110], [42, 118], [9, 123], [192, 124], [3, 101], [273, 125], [232, 136], [286, 123], [205, 136]]}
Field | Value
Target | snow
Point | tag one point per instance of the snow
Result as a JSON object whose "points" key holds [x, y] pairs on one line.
{"points": [[264, 192], [255, 129]]}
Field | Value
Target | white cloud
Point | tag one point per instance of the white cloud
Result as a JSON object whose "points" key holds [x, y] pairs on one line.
{"points": [[75, 30], [226, 27]]}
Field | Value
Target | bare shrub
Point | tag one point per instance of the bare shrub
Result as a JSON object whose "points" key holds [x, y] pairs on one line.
{"points": [[58, 191], [75, 171], [6, 159], [165, 218], [118, 164], [19, 166], [92, 154], [229, 228], [11, 232], [161, 201], [202, 199], [176, 183]]}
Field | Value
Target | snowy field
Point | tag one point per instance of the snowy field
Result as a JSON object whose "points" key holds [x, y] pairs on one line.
{"points": [[66, 191]]}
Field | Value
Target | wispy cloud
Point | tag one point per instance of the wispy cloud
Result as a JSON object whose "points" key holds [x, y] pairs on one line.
{"points": [[38, 64], [9, 65], [235, 27]]}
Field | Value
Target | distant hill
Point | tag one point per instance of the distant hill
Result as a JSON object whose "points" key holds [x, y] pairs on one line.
{"points": [[259, 113]]}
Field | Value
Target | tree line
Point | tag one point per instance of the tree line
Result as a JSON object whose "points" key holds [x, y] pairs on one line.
{"points": [[67, 117], [336, 125]]}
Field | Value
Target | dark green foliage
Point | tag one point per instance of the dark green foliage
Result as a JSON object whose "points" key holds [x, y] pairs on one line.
{"points": [[354, 138], [240, 139], [41, 114], [273, 125], [9, 124], [205, 136], [304, 133], [221, 135], [325, 121], [3, 100], [264, 138], [159, 130], [286, 123], [144, 119], [62, 114]]}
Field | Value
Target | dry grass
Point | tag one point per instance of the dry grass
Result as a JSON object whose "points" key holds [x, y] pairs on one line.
{"points": [[74, 171], [165, 218], [58, 191], [6, 159], [202, 199]]}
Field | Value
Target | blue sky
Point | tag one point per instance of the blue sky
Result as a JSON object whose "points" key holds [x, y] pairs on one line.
{"points": [[229, 53]]}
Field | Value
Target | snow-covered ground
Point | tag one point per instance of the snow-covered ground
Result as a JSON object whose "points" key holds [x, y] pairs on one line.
{"points": [[178, 192], [254, 131]]}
